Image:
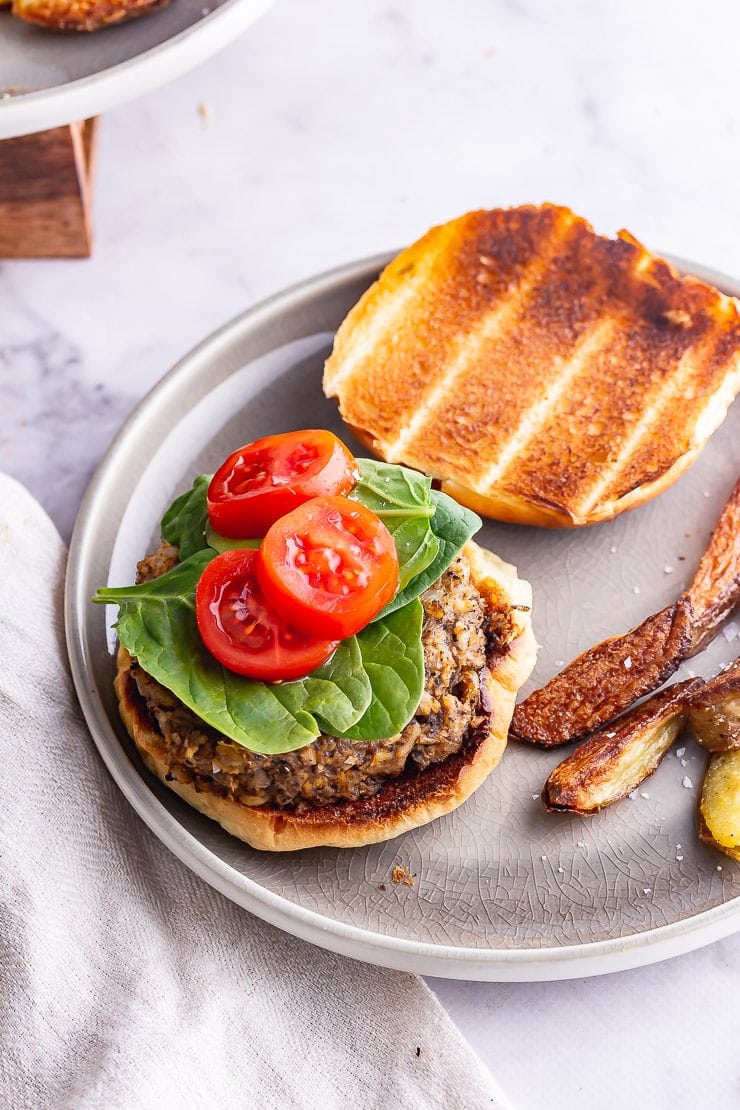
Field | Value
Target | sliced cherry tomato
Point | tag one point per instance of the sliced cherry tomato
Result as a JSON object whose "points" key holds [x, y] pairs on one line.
{"points": [[266, 479], [242, 629], [329, 566]]}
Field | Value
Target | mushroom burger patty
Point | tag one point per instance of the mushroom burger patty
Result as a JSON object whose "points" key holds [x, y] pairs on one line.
{"points": [[456, 637]]}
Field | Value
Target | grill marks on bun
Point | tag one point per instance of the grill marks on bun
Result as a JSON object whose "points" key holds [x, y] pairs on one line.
{"points": [[544, 373]]}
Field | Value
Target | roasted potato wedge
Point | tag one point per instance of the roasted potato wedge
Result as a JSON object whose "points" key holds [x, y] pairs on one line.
{"points": [[719, 805], [614, 761], [714, 712], [603, 681], [82, 15], [715, 589]]}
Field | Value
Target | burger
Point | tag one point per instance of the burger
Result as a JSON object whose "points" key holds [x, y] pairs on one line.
{"points": [[318, 653]]}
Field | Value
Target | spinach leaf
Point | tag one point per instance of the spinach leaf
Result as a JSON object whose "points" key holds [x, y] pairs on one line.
{"points": [[453, 526], [416, 545], [401, 498], [393, 656], [338, 692], [391, 490], [184, 523], [221, 543]]}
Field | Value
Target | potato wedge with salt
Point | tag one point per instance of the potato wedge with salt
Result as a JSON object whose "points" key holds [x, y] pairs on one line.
{"points": [[714, 713], [719, 805], [715, 590], [602, 682], [615, 760]]}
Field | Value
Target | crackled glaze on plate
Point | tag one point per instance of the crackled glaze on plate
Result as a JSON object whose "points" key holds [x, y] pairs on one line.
{"points": [[501, 889]]}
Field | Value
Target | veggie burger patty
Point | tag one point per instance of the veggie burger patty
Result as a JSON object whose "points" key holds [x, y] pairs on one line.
{"points": [[457, 635]]}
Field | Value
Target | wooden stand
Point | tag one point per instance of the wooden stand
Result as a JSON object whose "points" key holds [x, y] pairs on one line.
{"points": [[46, 193]]}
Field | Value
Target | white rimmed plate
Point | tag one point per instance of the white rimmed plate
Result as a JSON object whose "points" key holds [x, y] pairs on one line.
{"points": [[49, 79], [502, 890]]}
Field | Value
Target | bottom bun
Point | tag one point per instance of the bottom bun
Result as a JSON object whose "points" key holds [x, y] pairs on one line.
{"points": [[404, 803]]}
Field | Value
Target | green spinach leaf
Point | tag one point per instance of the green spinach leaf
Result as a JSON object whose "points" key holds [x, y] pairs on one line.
{"points": [[402, 500], [184, 523], [391, 490], [453, 526], [338, 692], [393, 656], [221, 543]]}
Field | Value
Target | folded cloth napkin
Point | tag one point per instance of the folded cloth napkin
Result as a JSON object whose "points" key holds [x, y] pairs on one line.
{"points": [[126, 980]]}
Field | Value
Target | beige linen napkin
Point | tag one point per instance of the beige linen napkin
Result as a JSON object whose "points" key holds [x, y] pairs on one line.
{"points": [[126, 980]]}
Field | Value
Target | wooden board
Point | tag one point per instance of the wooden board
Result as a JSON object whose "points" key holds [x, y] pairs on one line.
{"points": [[46, 193]]}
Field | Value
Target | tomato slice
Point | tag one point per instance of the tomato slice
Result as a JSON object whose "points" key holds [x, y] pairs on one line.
{"points": [[329, 566], [243, 631], [267, 478]]}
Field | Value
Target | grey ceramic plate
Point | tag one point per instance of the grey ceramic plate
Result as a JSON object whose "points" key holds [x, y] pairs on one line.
{"points": [[501, 890], [49, 79]]}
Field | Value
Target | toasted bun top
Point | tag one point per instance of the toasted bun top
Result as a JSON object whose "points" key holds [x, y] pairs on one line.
{"points": [[545, 374], [403, 803]]}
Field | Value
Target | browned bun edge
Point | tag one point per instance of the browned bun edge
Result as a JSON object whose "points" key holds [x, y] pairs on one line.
{"points": [[518, 511], [402, 804], [515, 510]]}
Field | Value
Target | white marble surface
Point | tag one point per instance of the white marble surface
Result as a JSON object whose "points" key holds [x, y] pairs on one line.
{"points": [[338, 130]]}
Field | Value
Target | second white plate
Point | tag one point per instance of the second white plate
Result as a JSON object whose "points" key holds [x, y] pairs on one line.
{"points": [[51, 79]]}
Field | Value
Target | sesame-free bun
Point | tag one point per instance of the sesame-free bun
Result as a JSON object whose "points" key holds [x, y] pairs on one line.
{"points": [[542, 373], [403, 803]]}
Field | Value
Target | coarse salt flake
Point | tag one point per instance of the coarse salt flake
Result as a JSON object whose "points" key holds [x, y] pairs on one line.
{"points": [[731, 631], [628, 663], [687, 783], [679, 859], [679, 752], [667, 569]]}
